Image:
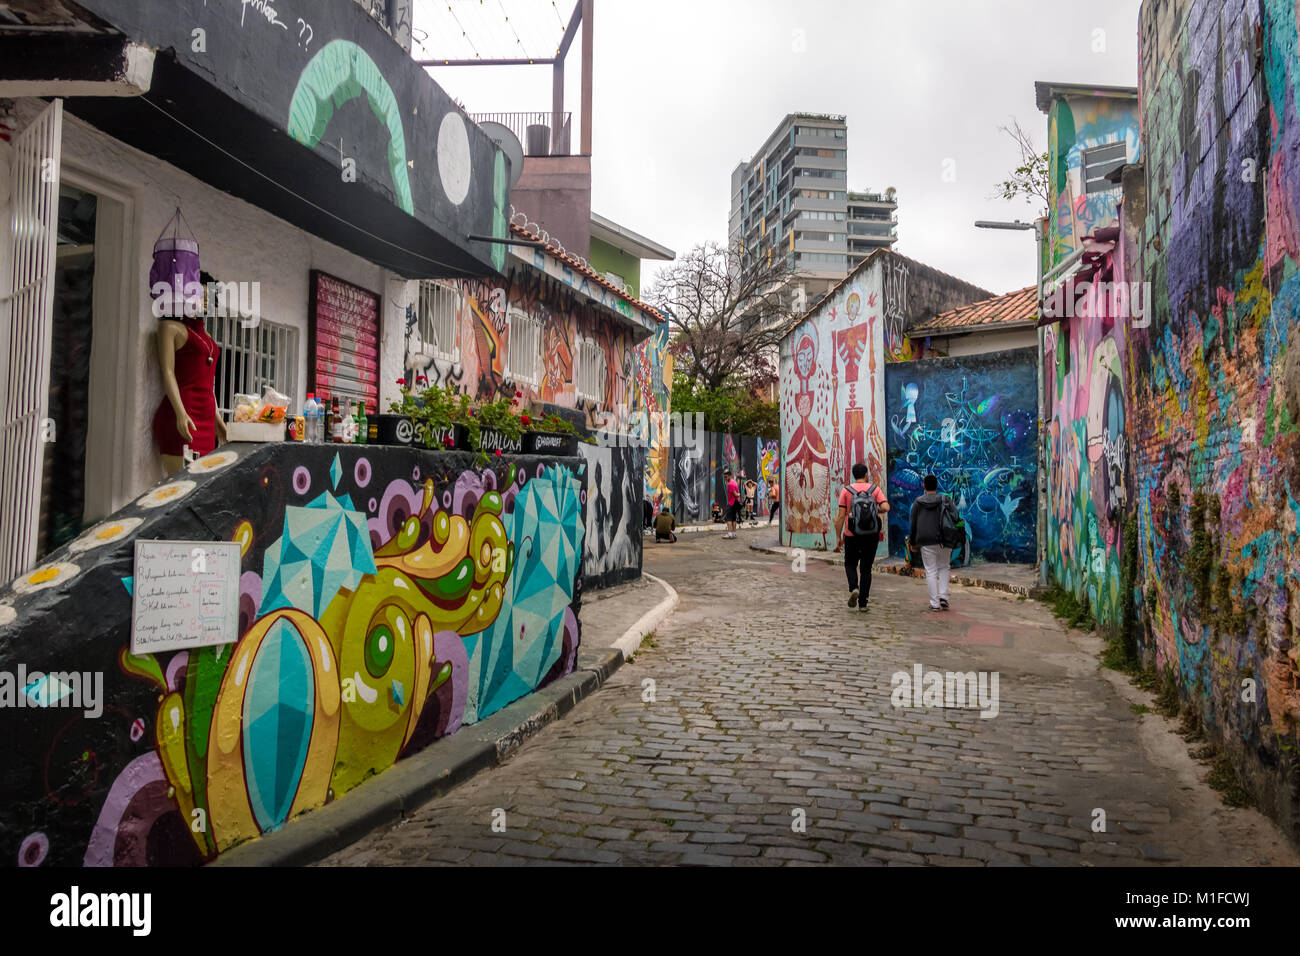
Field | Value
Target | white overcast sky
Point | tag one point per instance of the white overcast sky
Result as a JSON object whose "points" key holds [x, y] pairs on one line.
{"points": [[686, 89]]}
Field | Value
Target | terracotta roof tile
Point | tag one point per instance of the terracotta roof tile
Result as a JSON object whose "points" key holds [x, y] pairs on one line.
{"points": [[1014, 307], [600, 280]]}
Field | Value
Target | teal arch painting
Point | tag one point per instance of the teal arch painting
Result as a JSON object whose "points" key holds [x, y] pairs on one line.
{"points": [[339, 73]]}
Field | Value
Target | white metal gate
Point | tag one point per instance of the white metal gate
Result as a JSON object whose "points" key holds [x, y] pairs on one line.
{"points": [[24, 398]]}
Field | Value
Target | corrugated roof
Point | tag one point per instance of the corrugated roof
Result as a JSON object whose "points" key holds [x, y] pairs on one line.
{"points": [[1009, 309]]}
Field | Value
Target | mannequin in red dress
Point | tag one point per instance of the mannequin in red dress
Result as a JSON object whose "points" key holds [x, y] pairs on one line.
{"points": [[187, 415]]}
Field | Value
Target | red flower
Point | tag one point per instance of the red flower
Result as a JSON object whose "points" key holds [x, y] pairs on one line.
{"points": [[525, 420], [422, 380], [448, 441], [471, 413], [519, 393], [402, 382], [498, 452]]}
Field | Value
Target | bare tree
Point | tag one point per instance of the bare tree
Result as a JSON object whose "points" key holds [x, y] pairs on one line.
{"points": [[1031, 179], [727, 314]]}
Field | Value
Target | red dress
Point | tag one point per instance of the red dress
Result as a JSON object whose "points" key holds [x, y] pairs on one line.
{"points": [[196, 372]]}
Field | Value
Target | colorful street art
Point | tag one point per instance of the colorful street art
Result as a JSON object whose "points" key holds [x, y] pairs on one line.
{"points": [[1076, 124], [651, 405], [1088, 478], [387, 598], [973, 423], [833, 383], [482, 339]]}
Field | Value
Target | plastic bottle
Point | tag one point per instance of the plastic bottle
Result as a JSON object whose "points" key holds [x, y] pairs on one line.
{"points": [[309, 408]]}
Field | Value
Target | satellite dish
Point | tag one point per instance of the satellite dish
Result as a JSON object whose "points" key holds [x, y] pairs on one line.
{"points": [[509, 144]]}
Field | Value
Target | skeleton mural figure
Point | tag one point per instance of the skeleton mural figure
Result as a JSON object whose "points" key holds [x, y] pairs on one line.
{"points": [[808, 468], [850, 345]]}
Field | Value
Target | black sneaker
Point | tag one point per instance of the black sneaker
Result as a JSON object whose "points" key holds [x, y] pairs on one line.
{"points": [[853, 598], [943, 603]]}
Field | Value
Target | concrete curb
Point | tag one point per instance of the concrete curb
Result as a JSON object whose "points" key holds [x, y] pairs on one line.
{"points": [[387, 797], [906, 571], [648, 621]]}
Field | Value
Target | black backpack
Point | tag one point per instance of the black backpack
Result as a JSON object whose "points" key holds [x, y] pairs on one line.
{"points": [[952, 529], [864, 516]]}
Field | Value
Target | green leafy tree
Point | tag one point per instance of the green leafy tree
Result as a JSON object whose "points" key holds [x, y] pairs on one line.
{"points": [[733, 408]]}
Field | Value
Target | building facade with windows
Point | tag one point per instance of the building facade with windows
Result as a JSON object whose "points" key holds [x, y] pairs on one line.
{"points": [[791, 203], [110, 121], [548, 327]]}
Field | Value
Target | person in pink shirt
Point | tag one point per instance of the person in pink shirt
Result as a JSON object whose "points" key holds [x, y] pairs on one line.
{"points": [[859, 529], [733, 502]]}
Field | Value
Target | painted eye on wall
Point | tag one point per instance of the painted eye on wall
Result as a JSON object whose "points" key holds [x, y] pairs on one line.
{"points": [[379, 650]]}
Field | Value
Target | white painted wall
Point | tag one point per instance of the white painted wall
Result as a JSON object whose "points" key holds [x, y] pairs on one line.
{"points": [[237, 243], [978, 343]]}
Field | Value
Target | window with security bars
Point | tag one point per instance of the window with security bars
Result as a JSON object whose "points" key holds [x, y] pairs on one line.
{"points": [[523, 348], [253, 358], [439, 308], [591, 371], [1099, 162]]}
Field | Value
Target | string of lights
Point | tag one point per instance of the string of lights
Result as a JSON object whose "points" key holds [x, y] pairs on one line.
{"points": [[489, 33], [518, 42], [464, 34]]}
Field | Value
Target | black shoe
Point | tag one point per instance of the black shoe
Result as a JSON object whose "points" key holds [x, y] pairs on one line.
{"points": [[853, 598], [943, 603], [862, 603]]}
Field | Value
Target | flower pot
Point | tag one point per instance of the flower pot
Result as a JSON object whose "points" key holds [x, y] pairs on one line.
{"points": [[389, 430], [436, 439], [559, 444], [490, 440]]}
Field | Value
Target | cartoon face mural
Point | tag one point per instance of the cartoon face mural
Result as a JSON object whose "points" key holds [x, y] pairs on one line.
{"points": [[388, 597], [972, 423]]}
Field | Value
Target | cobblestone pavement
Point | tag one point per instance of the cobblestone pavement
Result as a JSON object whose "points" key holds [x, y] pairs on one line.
{"points": [[771, 739]]}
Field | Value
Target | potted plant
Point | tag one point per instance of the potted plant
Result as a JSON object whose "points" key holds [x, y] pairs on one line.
{"points": [[499, 427], [434, 415], [549, 435]]}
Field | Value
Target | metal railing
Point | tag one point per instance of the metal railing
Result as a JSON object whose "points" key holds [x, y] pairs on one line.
{"points": [[534, 130]]}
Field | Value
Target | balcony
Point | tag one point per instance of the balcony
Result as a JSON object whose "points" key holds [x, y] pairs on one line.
{"points": [[538, 133]]}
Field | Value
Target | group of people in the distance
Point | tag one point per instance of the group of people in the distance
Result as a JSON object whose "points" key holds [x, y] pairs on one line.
{"points": [[742, 505], [935, 527]]}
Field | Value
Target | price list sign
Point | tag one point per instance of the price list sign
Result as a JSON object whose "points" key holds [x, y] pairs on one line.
{"points": [[186, 594]]}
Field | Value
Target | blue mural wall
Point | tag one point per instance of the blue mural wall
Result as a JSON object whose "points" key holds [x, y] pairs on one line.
{"points": [[973, 422]]}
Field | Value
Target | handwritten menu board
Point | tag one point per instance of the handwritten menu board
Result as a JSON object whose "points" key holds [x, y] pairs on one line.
{"points": [[186, 594], [343, 340]]}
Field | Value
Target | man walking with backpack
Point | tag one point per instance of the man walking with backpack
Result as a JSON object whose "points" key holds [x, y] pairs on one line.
{"points": [[859, 529], [935, 529]]}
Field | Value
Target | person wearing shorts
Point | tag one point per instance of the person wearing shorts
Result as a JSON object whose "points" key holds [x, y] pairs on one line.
{"points": [[733, 502]]}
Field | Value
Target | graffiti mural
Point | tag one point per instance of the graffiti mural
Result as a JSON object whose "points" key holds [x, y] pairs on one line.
{"points": [[833, 383], [483, 308], [652, 385], [615, 489], [387, 598], [973, 423], [1088, 478], [1077, 124]]}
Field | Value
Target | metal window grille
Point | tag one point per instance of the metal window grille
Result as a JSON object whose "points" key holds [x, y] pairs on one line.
{"points": [[439, 308], [591, 371], [253, 358], [524, 348]]}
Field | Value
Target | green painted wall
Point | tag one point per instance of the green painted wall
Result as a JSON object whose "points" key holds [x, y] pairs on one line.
{"points": [[605, 258]]}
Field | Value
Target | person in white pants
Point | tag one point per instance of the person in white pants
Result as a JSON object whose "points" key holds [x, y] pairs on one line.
{"points": [[924, 532], [936, 559]]}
